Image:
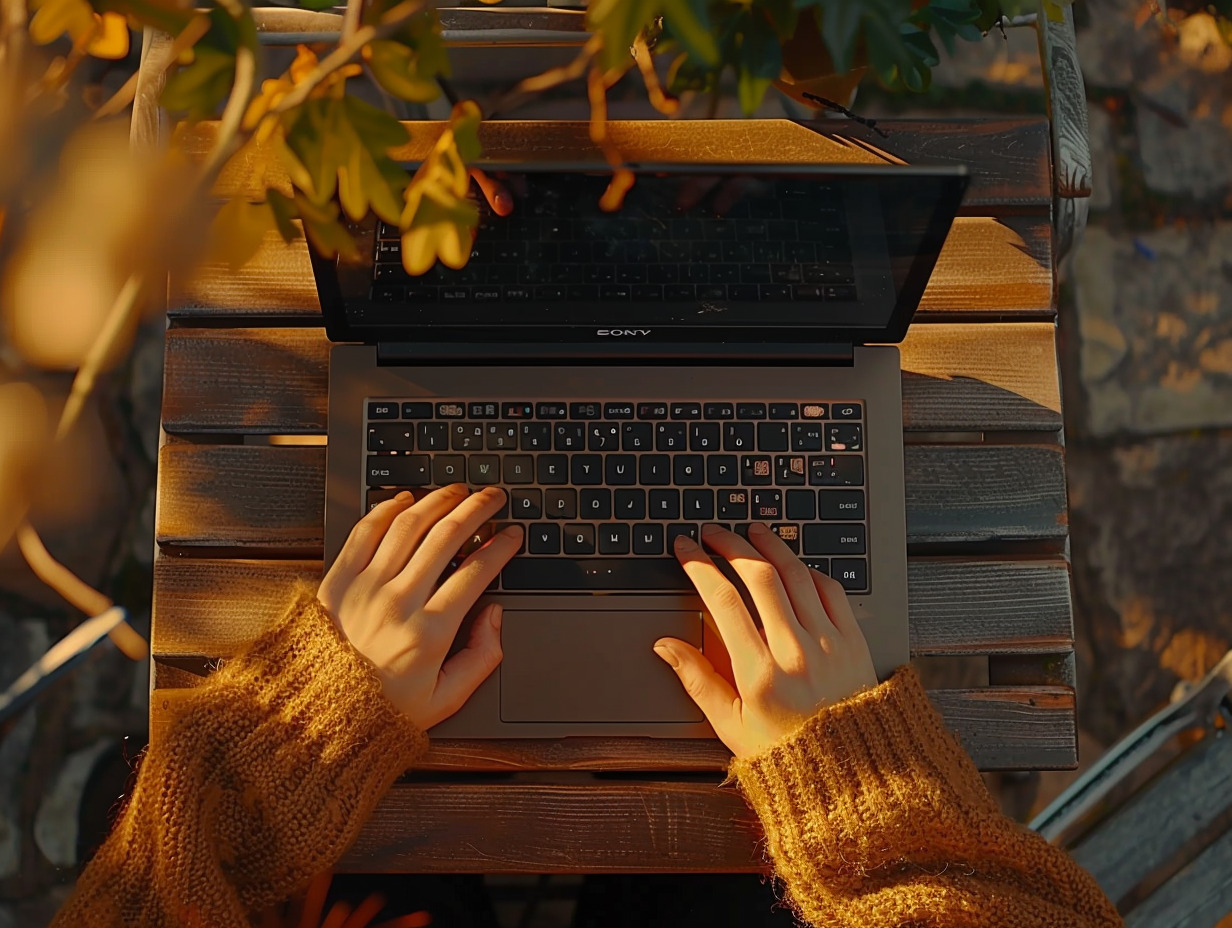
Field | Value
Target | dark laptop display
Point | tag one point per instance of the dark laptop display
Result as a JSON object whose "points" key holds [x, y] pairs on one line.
{"points": [[834, 254]]}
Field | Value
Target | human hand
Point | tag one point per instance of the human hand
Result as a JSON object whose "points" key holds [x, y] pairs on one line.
{"points": [[382, 592], [810, 652]]}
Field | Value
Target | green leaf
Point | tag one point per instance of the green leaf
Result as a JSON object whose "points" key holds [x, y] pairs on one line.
{"points": [[282, 208], [323, 229], [320, 138], [782, 16], [688, 22], [619, 22], [395, 67], [376, 128], [760, 62], [197, 89], [840, 21]]}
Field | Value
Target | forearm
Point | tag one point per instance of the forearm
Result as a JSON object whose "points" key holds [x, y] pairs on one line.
{"points": [[874, 815], [263, 780]]}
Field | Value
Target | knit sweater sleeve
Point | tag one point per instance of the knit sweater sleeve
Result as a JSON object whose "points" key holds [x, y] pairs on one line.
{"points": [[263, 780], [874, 815]]}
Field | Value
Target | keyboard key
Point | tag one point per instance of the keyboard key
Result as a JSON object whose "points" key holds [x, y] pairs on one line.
{"points": [[450, 411], [543, 538], [734, 505], [814, 411], [852, 573], [560, 503], [595, 503], [569, 436], [718, 410], [686, 410], [552, 411], [586, 469], [836, 470], [738, 436], [432, 436], [613, 538], [518, 468], [750, 410], [722, 470], [784, 411], [755, 470], [536, 436], [679, 293], [584, 410], [603, 436], [416, 411], [502, 436], [801, 505], [526, 504], [789, 533], [671, 436], [659, 573], [847, 411], [617, 410], [382, 410], [665, 504], [655, 470], [516, 411], [652, 410], [689, 470], [789, 471], [402, 470], [482, 410], [630, 504], [771, 436], [834, 539], [483, 469], [648, 539], [579, 539], [391, 437], [699, 505], [704, 436], [835, 294], [637, 436], [838, 505], [806, 436], [552, 468], [844, 436], [767, 506], [466, 436], [677, 529]]}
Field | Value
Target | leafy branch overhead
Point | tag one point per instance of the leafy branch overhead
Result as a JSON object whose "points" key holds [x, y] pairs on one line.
{"points": [[341, 154]]}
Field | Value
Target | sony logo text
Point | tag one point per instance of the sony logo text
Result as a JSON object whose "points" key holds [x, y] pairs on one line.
{"points": [[622, 332]]}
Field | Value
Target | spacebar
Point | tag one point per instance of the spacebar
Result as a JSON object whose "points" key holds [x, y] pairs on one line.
{"points": [[594, 573]]}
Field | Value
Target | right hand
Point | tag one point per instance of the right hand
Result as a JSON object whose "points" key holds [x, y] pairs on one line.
{"points": [[810, 652]]}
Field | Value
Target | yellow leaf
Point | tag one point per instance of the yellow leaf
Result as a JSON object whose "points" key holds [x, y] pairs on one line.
{"points": [[56, 17], [111, 38], [238, 230]]}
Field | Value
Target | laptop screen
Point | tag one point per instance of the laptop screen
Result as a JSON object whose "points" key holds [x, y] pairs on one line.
{"points": [[695, 253]]}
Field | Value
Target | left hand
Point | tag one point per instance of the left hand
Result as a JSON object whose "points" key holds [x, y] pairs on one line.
{"points": [[382, 592]]}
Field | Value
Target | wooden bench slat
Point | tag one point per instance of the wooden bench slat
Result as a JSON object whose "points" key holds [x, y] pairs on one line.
{"points": [[205, 607], [1144, 835], [995, 377], [1009, 159], [1003, 728], [270, 499], [1199, 896], [989, 268]]}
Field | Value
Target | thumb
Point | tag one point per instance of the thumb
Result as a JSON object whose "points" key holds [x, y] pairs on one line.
{"points": [[462, 673], [713, 695]]}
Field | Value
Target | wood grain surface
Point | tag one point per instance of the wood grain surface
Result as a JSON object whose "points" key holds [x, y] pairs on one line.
{"points": [[263, 500], [995, 377], [1003, 728], [988, 268]]}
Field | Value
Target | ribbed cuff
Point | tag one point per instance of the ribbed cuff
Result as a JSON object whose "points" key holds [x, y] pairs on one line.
{"points": [[865, 782]]}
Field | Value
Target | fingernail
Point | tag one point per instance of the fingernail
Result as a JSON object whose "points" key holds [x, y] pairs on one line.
{"points": [[512, 531], [684, 543], [667, 655], [459, 489], [709, 529], [495, 614], [404, 496]]}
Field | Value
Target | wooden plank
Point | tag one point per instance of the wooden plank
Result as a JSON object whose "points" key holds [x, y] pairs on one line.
{"points": [[1146, 833], [269, 499], [992, 377], [988, 268], [1002, 728], [205, 607], [1200, 896], [1008, 158]]}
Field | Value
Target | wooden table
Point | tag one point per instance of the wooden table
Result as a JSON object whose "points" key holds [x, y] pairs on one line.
{"points": [[241, 490]]}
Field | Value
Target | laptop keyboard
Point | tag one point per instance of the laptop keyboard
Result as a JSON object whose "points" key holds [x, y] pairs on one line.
{"points": [[773, 249], [603, 488]]}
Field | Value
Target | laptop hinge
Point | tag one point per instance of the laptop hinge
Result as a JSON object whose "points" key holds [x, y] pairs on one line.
{"points": [[830, 354]]}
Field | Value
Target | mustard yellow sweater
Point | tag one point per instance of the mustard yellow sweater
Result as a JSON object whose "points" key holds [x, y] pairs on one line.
{"points": [[874, 816]]}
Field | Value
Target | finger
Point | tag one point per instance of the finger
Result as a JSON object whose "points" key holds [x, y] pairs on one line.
{"points": [[713, 695], [797, 581], [494, 192], [361, 545], [450, 604], [838, 607], [446, 537], [736, 628], [461, 674], [784, 633], [409, 528]]}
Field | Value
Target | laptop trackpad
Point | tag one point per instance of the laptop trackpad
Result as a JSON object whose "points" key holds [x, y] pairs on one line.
{"points": [[594, 667]]}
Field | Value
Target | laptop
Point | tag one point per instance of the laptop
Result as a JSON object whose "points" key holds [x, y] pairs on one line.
{"points": [[718, 350]]}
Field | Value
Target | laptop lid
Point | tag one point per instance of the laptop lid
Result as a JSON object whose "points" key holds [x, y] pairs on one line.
{"points": [[698, 254]]}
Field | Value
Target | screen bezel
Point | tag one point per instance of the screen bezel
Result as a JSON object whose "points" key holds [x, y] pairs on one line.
{"points": [[954, 181]]}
